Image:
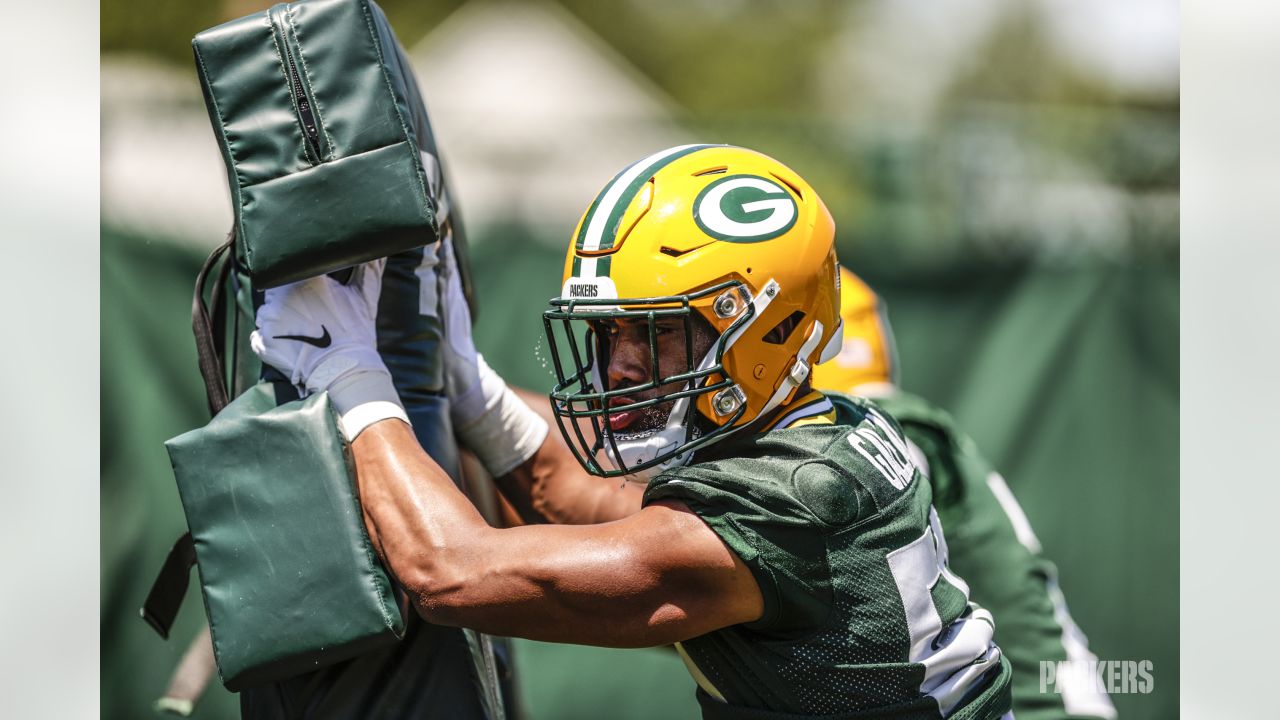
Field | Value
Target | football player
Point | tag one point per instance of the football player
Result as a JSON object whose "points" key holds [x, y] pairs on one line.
{"points": [[798, 562], [991, 543]]}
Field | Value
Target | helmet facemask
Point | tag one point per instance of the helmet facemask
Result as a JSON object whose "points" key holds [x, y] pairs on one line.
{"points": [[652, 424]]}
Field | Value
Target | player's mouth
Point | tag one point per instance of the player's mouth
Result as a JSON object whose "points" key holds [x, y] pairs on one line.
{"points": [[622, 419]]}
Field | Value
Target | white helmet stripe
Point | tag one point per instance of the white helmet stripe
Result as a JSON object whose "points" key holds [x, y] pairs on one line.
{"points": [[595, 230]]}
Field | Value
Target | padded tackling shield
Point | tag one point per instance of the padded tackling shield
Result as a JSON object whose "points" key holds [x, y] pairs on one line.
{"points": [[310, 103], [289, 577]]}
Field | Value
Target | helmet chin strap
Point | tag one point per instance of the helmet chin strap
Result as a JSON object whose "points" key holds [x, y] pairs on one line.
{"points": [[799, 371], [641, 450], [834, 345]]}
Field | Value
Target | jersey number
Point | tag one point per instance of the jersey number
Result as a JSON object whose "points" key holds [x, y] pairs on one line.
{"points": [[955, 656]]}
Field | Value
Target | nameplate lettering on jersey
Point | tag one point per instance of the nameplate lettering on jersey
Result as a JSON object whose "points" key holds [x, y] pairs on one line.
{"points": [[883, 447]]}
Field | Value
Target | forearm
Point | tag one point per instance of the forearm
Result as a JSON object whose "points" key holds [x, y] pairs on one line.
{"points": [[515, 435], [421, 525], [551, 486], [456, 568], [548, 583], [595, 584]]}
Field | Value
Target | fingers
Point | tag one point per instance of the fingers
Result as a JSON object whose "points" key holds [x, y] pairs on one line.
{"points": [[257, 344]]}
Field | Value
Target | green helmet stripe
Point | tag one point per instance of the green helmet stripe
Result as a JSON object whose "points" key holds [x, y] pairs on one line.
{"points": [[594, 266], [591, 211]]}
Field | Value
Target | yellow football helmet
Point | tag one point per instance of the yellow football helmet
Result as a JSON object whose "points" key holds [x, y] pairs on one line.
{"points": [[868, 360], [715, 232]]}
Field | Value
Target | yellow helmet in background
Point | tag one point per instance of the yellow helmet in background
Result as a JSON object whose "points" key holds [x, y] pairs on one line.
{"points": [[869, 357], [725, 233]]}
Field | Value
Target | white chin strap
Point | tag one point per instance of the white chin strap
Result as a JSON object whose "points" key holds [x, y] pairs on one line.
{"points": [[641, 450], [795, 377], [834, 345]]}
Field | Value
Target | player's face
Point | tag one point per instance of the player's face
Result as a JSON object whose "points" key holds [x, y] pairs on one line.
{"points": [[630, 364]]}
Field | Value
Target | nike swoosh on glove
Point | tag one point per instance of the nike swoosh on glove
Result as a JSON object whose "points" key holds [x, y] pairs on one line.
{"points": [[295, 321]]}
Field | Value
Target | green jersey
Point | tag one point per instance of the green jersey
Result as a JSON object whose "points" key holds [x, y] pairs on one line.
{"points": [[862, 616], [994, 549]]}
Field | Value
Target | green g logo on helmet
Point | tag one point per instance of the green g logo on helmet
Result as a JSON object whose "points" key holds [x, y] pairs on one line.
{"points": [[744, 209]]}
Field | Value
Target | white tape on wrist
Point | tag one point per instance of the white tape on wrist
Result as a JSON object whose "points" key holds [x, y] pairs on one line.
{"points": [[486, 389], [360, 417], [363, 397], [506, 435]]}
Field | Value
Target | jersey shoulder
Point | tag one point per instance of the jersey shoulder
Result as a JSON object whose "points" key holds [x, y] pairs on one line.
{"points": [[756, 476], [780, 499], [931, 428], [748, 496], [832, 474], [946, 454], [908, 409]]}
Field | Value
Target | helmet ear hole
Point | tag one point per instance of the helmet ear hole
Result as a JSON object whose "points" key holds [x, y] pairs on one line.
{"points": [[782, 331]]}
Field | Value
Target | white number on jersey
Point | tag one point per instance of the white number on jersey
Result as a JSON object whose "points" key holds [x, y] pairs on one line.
{"points": [[885, 449], [956, 657]]}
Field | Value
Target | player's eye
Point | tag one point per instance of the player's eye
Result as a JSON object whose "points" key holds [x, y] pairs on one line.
{"points": [[604, 328]]}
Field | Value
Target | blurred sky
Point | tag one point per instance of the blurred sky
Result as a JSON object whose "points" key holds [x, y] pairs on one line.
{"points": [[1015, 129]]}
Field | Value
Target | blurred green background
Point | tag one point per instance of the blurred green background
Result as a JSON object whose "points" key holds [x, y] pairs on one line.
{"points": [[1004, 173]]}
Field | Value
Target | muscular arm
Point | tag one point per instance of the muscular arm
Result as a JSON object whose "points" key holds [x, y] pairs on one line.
{"points": [[552, 486], [657, 576]]}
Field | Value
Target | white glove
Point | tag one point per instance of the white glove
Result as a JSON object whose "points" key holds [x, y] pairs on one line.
{"points": [[322, 335], [490, 420]]}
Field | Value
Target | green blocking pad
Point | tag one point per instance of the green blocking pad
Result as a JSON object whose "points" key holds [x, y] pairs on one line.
{"points": [[312, 106], [317, 218], [289, 577]]}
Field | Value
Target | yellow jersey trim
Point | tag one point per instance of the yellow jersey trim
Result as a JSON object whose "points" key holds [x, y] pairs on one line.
{"points": [[812, 409]]}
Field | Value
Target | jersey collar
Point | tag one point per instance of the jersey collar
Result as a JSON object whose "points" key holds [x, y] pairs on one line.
{"points": [[812, 409]]}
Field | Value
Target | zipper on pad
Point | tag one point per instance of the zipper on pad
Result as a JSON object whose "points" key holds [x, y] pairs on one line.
{"points": [[298, 89]]}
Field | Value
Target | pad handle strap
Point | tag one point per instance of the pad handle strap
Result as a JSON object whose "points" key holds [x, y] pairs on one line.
{"points": [[207, 355], [170, 586]]}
